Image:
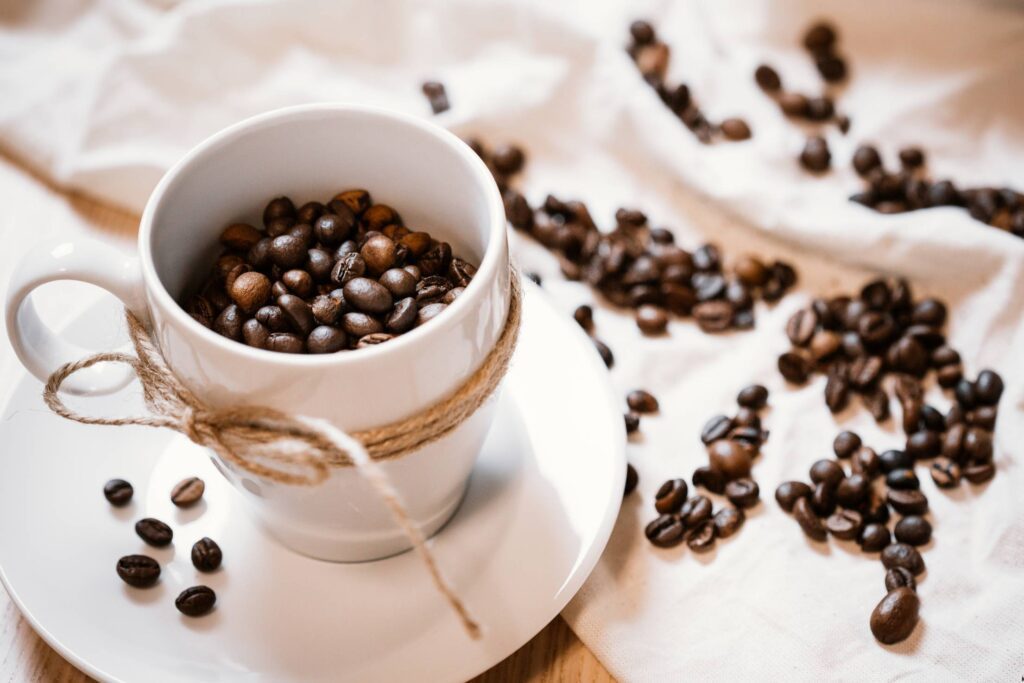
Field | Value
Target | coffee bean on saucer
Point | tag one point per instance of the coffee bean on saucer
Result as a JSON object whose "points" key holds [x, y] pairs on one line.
{"points": [[820, 109], [874, 538], [793, 104], [895, 617], [642, 401], [437, 96], [632, 479], [665, 531], [709, 478], [206, 555], [754, 396], [671, 496], [154, 532], [701, 538], [651, 320], [728, 521], [584, 316], [845, 524], [118, 492], [913, 530], [714, 316], [794, 368], [138, 571], [767, 79], [743, 492], [903, 555], [898, 577], [735, 129], [195, 601], [605, 353], [789, 492], [188, 491], [809, 522]]}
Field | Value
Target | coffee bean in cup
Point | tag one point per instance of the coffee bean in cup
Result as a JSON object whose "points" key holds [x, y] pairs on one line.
{"points": [[323, 278]]}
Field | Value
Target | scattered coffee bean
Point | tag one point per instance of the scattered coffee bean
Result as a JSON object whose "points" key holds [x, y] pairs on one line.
{"points": [[895, 617], [768, 79], [823, 499], [913, 530], [845, 524], [874, 538], [902, 479], [846, 444], [826, 471], [651, 320], [118, 492], [604, 352], [642, 401], [980, 473], [437, 96], [853, 490], [794, 368], [789, 492], [716, 428], [728, 521], [735, 129], [695, 510], [188, 491], [754, 396], [154, 532], [815, 155], [732, 458], [945, 473], [898, 577], [584, 315], [907, 502], [709, 478], [206, 555], [671, 496], [743, 492], [632, 479], [666, 531], [701, 538], [632, 422], [903, 555], [809, 521], [195, 601], [138, 571]]}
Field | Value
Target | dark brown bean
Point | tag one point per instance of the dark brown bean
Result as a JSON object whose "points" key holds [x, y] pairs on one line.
{"points": [[195, 601], [789, 492], [701, 537], [118, 492], [326, 339], [154, 532], [945, 473], [743, 492], [138, 571], [903, 555], [671, 496], [874, 538], [896, 616], [732, 458], [809, 522], [666, 531], [642, 401], [754, 396], [728, 521], [845, 524], [206, 555], [898, 577], [632, 479], [907, 501], [913, 530], [709, 478]]}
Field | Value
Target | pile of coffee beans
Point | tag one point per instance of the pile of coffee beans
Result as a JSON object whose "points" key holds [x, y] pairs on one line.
{"points": [[732, 444], [324, 278], [142, 571], [652, 57], [910, 188], [857, 341], [436, 96]]}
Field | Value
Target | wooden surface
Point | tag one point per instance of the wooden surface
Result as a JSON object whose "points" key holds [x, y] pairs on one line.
{"points": [[555, 654]]}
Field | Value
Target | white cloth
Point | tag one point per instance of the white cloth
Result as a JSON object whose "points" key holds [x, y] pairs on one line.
{"points": [[104, 96]]}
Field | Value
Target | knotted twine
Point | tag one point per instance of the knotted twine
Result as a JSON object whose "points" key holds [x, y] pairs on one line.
{"points": [[297, 450]]}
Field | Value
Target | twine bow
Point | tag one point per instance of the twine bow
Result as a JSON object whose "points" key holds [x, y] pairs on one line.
{"points": [[296, 450]]}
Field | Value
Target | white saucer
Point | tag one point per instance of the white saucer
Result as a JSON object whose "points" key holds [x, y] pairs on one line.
{"points": [[540, 507]]}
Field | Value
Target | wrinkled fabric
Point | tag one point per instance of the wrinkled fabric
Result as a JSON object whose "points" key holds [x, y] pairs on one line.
{"points": [[103, 97]]}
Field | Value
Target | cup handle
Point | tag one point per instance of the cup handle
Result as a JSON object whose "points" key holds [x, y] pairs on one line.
{"points": [[38, 347]]}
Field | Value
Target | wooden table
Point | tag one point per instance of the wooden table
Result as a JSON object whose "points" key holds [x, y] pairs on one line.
{"points": [[554, 654]]}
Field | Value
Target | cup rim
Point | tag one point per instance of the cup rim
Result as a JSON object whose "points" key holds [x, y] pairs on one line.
{"points": [[486, 271]]}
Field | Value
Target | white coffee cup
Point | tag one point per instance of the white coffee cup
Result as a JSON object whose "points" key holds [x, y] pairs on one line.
{"points": [[309, 152]]}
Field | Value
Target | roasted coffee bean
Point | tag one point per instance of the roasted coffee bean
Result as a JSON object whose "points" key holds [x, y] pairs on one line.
{"points": [[195, 601], [732, 458], [874, 538], [988, 388], [903, 555], [949, 376], [632, 422], [309, 212], [846, 444], [945, 473], [735, 129], [907, 501], [713, 316], [606, 353], [206, 555], [297, 312], [280, 226], [903, 479], [188, 491], [277, 208], [815, 155], [632, 479], [898, 577], [977, 444], [923, 444], [837, 391], [431, 289], [436, 260], [118, 492], [138, 571], [298, 282], [272, 318], [751, 271], [983, 417], [913, 530], [584, 316], [930, 312], [743, 492], [701, 538], [767, 79], [793, 104], [801, 326], [666, 531], [853, 490], [651, 320], [508, 159], [326, 339], [229, 323], [366, 295], [794, 368], [287, 251], [642, 401], [911, 157], [709, 478], [671, 496], [844, 524], [326, 309], [754, 397], [154, 532], [436, 96], [894, 460], [823, 499], [826, 471], [331, 229], [374, 339], [875, 510], [716, 428], [695, 510], [865, 461], [896, 616], [379, 253], [808, 521], [285, 342], [401, 319], [429, 312], [866, 159], [820, 37], [642, 32], [979, 473], [747, 417], [319, 264], [240, 236], [728, 521], [250, 290], [789, 492]]}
